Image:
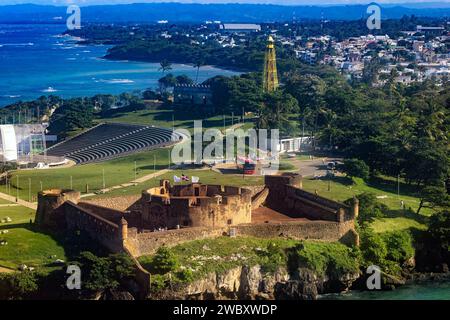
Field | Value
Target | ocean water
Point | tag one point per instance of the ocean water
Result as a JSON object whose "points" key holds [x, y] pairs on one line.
{"points": [[423, 291], [36, 60]]}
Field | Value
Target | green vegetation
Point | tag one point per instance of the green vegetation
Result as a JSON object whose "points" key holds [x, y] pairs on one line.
{"points": [[332, 259], [117, 171], [18, 285], [26, 245], [103, 273], [195, 259], [355, 168]]}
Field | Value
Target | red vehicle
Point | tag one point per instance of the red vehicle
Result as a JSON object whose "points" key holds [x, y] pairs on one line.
{"points": [[249, 167]]}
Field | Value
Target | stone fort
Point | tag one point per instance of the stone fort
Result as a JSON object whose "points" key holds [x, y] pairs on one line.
{"points": [[172, 214]]}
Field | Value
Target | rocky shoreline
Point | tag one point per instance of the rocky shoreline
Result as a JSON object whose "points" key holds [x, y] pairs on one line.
{"points": [[304, 284]]}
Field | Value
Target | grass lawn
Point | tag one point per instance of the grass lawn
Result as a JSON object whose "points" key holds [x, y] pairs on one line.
{"points": [[386, 188], [163, 116], [117, 171], [206, 176], [25, 245]]}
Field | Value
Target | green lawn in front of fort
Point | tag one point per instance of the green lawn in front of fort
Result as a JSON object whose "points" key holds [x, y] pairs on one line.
{"points": [[178, 117], [26, 245], [117, 171]]}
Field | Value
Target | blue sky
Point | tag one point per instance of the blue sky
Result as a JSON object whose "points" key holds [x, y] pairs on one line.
{"points": [[95, 2]]}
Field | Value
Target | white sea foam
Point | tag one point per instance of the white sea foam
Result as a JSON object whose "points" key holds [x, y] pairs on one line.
{"points": [[116, 81], [49, 89]]}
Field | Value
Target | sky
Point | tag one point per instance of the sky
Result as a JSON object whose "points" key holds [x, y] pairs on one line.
{"points": [[285, 2]]}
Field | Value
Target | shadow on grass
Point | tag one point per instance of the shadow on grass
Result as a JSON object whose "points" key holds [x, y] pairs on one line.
{"points": [[345, 181], [391, 186], [73, 242], [408, 214]]}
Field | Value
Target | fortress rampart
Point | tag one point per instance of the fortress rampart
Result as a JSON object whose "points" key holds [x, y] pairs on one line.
{"points": [[195, 205], [184, 213]]}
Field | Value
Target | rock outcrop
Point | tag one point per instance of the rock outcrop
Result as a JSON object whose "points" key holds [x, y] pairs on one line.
{"points": [[253, 283]]}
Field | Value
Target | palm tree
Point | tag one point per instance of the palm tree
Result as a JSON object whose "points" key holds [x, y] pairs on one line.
{"points": [[197, 65], [165, 65]]}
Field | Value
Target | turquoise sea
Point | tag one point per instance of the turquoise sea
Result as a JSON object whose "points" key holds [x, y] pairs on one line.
{"points": [[422, 291], [36, 60]]}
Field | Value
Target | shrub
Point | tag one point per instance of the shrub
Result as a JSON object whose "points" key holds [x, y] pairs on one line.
{"points": [[273, 257], [355, 168], [164, 261], [157, 282], [439, 228], [333, 259], [399, 246], [100, 273], [18, 285], [369, 208], [373, 248], [185, 275]]}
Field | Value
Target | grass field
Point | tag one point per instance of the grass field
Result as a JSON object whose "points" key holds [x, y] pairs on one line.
{"points": [[171, 116], [25, 245], [117, 171], [206, 176], [396, 219]]}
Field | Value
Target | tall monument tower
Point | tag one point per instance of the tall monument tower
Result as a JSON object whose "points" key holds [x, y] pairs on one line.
{"points": [[270, 76]]}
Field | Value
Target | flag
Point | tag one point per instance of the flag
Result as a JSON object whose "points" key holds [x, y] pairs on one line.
{"points": [[195, 179], [176, 179]]}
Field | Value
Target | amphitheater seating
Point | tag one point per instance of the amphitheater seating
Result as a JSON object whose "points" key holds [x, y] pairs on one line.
{"points": [[111, 140]]}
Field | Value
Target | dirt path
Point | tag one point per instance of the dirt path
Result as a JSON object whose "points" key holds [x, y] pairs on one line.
{"points": [[6, 270], [24, 203]]}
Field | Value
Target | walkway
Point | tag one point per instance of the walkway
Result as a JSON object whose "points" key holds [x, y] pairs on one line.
{"points": [[24, 203]]}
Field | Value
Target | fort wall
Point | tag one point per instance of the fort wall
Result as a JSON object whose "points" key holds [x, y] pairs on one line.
{"points": [[195, 205], [98, 228], [122, 203]]}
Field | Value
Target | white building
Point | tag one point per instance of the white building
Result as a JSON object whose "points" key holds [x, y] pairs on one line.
{"points": [[21, 142]]}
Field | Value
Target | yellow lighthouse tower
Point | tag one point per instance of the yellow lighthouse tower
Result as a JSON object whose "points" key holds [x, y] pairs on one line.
{"points": [[270, 76]]}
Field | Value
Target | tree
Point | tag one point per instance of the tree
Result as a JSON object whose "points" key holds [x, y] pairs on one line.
{"points": [[18, 285], [355, 168], [439, 229], [165, 65], [433, 197], [102, 273], [184, 79], [167, 81], [275, 112], [164, 261], [198, 64]]}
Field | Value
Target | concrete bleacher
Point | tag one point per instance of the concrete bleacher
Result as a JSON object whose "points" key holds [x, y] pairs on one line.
{"points": [[110, 140]]}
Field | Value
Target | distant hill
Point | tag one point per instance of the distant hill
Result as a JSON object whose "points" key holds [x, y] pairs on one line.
{"points": [[176, 12]]}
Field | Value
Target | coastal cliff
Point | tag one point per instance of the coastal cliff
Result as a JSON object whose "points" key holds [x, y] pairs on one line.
{"points": [[245, 282]]}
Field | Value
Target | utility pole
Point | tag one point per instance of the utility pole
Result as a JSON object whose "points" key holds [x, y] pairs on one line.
{"points": [[17, 189], [104, 183], [29, 189], [173, 122], [168, 151]]}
